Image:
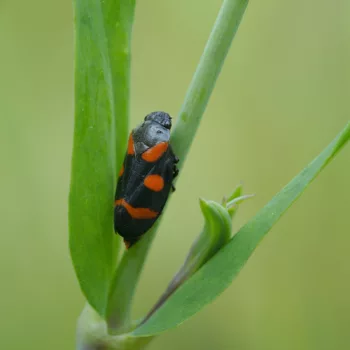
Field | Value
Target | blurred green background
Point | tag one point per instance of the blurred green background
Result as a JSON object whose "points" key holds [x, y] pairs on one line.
{"points": [[282, 96]]}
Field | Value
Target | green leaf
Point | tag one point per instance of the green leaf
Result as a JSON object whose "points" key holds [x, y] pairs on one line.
{"points": [[236, 198], [216, 275], [103, 30], [118, 18], [215, 234]]}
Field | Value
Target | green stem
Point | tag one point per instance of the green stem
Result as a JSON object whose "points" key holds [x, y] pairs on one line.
{"points": [[124, 284], [92, 335], [197, 97], [207, 72]]}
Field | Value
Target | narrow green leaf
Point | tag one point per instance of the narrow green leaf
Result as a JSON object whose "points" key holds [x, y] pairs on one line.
{"points": [[237, 192], [101, 110], [211, 280], [118, 17]]}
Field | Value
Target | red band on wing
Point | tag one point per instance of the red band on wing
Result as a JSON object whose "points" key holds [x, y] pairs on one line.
{"points": [[137, 213], [154, 153]]}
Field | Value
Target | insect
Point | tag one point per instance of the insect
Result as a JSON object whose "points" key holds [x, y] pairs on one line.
{"points": [[145, 179]]}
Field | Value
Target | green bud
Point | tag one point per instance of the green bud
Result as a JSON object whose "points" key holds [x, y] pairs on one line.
{"points": [[215, 234]]}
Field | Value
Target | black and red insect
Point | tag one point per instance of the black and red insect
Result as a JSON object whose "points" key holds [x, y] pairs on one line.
{"points": [[145, 179]]}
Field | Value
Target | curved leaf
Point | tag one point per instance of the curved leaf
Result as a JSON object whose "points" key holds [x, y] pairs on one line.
{"points": [[101, 107], [215, 234], [216, 275]]}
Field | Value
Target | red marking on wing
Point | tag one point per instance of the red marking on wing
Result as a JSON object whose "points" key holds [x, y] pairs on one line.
{"points": [[121, 172], [154, 153], [131, 149], [154, 182], [137, 213]]}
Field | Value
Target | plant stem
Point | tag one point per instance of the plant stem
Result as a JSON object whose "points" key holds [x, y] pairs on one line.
{"points": [[124, 285], [92, 335], [197, 97], [207, 72]]}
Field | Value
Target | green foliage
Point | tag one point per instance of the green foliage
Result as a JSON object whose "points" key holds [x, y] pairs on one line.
{"points": [[210, 281], [103, 32], [101, 95], [215, 234]]}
